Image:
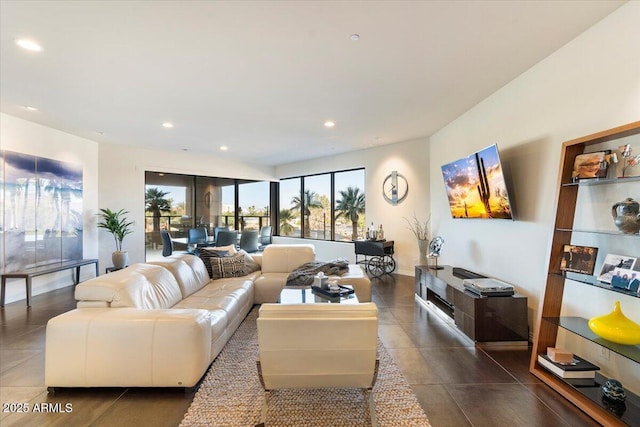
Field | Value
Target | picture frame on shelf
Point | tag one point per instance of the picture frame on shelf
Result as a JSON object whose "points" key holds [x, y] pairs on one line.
{"points": [[627, 279], [578, 259], [591, 165], [613, 261]]}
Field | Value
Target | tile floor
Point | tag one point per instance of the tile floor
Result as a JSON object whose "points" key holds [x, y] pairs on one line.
{"points": [[457, 383]]}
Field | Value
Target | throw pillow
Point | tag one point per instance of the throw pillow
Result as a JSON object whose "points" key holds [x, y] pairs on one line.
{"points": [[206, 254], [249, 264], [229, 248], [230, 266]]}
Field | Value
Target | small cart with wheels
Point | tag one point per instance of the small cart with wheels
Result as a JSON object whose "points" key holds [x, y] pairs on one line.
{"points": [[378, 256]]}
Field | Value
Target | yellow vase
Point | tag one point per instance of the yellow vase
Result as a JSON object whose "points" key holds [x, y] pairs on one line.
{"points": [[616, 327]]}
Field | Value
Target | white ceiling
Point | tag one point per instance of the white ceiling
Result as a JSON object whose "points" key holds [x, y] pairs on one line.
{"points": [[262, 77]]}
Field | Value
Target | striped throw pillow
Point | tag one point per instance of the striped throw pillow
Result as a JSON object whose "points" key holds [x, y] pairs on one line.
{"points": [[230, 266]]}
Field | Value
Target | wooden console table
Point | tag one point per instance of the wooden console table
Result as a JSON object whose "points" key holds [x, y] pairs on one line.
{"points": [[42, 270], [481, 318]]}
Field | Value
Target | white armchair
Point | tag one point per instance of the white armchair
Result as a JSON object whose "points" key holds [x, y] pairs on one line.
{"points": [[318, 346]]}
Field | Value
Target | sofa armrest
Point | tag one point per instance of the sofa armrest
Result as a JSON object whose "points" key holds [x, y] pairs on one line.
{"points": [[257, 258], [124, 347]]}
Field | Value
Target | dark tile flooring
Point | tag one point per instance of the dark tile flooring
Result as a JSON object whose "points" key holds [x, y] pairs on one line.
{"points": [[457, 383]]}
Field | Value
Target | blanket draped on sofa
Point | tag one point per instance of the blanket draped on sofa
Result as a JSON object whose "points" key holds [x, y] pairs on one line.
{"points": [[303, 275]]}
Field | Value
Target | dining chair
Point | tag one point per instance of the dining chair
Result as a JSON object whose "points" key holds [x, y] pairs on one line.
{"points": [[227, 237], [249, 240], [197, 235], [265, 237], [216, 230], [167, 244]]}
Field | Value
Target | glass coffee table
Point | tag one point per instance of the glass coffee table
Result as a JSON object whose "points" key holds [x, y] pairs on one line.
{"points": [[306, 295]]}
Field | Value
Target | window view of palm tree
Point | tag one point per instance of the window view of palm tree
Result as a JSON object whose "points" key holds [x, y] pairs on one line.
{"points": [[350, 204], [311, 203], [350, 207], [290, 217], [318, 206], [287, 218], [332, 201], [178, 202], [156, 204]]}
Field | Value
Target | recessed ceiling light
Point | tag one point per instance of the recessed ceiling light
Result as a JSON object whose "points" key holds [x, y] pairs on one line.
{"points": [[329, 124], [355, 37], [160, 174], [30, 108], [29, 45], [223, 148], [167, 125]]}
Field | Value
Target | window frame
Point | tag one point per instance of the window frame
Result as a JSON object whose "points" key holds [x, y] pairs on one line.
{"points": [[332, 203]]}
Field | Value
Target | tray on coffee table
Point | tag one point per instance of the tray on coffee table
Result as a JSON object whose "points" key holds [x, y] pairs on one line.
{"points": [[342, 291]]}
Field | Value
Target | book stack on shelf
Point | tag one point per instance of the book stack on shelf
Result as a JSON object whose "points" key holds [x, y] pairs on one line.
{"points": [[573, 367]]}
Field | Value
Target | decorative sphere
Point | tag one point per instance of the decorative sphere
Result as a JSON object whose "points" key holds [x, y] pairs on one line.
{"points": [[612, 390]]}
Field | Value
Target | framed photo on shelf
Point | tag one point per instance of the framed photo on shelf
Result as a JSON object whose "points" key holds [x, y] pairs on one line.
{"points": [[611, 262], [623, 278], [591, 165], [578, 259]]}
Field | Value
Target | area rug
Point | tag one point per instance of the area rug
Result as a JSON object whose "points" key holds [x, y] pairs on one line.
{"points": [[231, 395]]}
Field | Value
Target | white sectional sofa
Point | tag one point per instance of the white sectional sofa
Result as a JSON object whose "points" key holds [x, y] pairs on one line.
{"points": [[277, 261], [161, 324]]}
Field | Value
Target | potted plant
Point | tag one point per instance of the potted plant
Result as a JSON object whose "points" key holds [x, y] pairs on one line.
{"points": [[117, 224]]}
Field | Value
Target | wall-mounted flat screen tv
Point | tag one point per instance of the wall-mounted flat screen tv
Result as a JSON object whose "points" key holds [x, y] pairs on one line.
{"points": [[476, 186]]}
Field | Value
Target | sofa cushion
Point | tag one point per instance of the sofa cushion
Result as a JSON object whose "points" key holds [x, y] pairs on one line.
{"points": [[190, 278], [268, 286], [250, 265], [198, 266], [143, 286], [285, 258], [223, 301], [231, 266]]}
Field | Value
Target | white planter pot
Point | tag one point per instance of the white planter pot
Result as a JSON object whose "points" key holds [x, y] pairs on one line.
{"points": [[120, 259]]}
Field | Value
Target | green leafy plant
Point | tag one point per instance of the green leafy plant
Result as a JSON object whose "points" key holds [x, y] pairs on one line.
{"points": [[117, 224]]}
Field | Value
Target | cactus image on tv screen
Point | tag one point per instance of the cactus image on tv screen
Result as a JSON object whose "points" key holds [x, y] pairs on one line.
{"points": [[476, 186]]}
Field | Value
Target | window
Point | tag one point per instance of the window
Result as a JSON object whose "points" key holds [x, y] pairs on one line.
{"points": [[253, 205], [228, 206], [349, 205], [176, 203], [317, 207], [328, 206], [168, 204], [289, 214]]}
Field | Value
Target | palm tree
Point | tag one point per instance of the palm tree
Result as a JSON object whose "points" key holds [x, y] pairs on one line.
{"points": [[156, 204], [351, 206], [311, 201], [286, 217]]}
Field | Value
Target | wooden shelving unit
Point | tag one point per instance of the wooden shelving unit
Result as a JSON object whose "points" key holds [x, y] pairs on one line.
{"points": [[549, 319]]}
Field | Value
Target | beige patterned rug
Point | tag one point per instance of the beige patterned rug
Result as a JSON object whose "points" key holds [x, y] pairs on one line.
{"points": [[231, 394]]}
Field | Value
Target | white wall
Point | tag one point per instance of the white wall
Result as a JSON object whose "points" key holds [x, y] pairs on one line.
{"points": [[410, 159], [589, 85], [122, 180], [26, 137]]}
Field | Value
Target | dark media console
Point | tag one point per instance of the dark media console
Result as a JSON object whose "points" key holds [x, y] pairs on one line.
{"points": [[481, 318]]}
